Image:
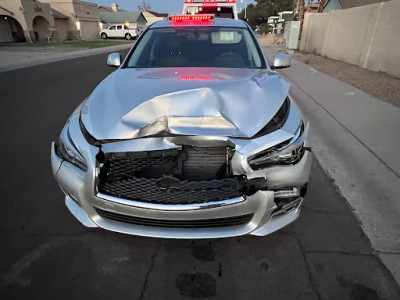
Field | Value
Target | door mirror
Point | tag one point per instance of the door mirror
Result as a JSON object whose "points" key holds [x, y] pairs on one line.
{"points": [[114, 60], [282, 60]]}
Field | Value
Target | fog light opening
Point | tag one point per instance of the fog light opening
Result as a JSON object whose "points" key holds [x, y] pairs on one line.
{"points": [[287, 205]]}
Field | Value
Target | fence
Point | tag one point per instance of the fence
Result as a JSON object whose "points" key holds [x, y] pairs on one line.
{"points": [[367, 36]]}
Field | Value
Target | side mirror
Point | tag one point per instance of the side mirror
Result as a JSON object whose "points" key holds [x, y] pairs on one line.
{"points": [[114, 60], [282, 60]]}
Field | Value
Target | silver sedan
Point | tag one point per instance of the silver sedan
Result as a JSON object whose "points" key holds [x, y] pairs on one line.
{"points": [[193, 136]]}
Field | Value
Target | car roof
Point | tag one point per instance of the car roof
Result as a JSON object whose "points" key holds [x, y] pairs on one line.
{"points": [[217, 22]]}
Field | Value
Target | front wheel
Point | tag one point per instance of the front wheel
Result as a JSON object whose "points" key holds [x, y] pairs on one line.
{"points": [[104, 36], [128, 36]]}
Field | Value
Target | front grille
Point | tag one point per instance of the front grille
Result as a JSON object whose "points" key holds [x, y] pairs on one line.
{"points": [[203, 223], [188, 176]]}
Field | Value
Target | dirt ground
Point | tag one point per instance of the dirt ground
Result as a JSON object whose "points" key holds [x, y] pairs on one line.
{"points": [[270, 39], [377, 84]]}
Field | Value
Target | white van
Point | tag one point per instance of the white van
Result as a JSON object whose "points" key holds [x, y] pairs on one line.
{"points": [[217, 8]]}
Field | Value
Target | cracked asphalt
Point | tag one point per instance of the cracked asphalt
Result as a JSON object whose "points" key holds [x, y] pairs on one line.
{"points": [[46, 254]]}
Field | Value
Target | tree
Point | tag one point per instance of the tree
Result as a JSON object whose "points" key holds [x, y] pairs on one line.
{"points": [[144, 6], [258, 14]]}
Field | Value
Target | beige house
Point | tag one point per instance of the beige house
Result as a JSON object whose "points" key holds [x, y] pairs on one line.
{"points": [[42, 20], [25, 20], [75, 19], [118, 17], [146, 18]]}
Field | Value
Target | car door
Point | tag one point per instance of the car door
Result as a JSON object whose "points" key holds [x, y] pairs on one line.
{"points": [[120, 31], [112, 31]]}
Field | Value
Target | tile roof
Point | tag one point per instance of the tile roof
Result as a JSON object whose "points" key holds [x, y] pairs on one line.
{"points": [[58, 15], [119, 17]]}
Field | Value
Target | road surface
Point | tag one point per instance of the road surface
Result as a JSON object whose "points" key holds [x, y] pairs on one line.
{"points": [[46, 254]]}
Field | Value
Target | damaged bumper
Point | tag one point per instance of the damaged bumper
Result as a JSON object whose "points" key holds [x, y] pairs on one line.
{"points": [[268, 208]]}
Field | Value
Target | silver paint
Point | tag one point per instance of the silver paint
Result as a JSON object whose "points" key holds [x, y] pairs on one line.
{"points": [[155, 109], [282, 60], [133, 103]]}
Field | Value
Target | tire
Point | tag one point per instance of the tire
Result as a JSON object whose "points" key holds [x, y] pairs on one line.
{"points": [[128, 36], [104, 36]]}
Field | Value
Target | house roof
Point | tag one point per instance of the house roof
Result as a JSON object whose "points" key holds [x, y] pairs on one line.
{"points": [[156, 14], [105, 8], [119, 17], [354, 3], [58, 15], [110, 8]]}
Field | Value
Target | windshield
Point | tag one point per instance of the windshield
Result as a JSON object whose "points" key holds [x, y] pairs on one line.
{"points": [[189, 46], [218, 12]]}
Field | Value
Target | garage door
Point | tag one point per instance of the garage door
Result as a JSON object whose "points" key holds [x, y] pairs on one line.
{"points": [[89, 30], [5, 32]]}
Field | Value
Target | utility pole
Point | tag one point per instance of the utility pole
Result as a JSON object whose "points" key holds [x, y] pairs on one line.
{"points": [[301, 10], [321, 6], [301, 16], [245, 9]]}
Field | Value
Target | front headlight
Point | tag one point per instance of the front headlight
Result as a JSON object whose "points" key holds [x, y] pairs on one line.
{"points": [[286, 153], [67, 150]]}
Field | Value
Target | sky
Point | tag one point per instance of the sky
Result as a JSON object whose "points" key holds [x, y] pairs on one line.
{"points": [[161, 6]]}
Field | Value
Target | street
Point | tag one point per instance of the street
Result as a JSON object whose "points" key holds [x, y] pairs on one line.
{"points": [[47, 254]]}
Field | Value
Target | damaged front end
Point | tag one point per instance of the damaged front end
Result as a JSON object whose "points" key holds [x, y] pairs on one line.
{"points": [[167, 185]]}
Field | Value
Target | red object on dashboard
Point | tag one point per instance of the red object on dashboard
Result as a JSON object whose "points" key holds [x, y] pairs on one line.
{"points": [[195, 78]]}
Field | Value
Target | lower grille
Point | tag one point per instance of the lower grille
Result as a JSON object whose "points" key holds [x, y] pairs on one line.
{"points": [[178, 192], [203, 223]]}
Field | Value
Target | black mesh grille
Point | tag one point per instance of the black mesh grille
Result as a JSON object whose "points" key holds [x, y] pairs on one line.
{"points": [[230, 221], [183, 192], [188, 176]]}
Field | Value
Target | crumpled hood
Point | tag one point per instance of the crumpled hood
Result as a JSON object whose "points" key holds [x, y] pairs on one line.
{"points": [[133, 103]]}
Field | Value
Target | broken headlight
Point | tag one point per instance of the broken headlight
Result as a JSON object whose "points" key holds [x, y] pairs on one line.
{"points": [[286, 153], [67, 150]]}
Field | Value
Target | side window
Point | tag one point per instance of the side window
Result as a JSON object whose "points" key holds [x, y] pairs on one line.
{"points": [[119, 27], [111, 28], [126, 27]]}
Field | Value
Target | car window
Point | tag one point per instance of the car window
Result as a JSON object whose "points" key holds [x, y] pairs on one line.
{"points": [[112, 28], [119, 27], [217, 11], [196, 47], [126, 27]]}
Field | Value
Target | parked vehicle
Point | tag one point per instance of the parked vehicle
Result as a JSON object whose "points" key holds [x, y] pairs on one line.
{"points": [[193, 136], [218, 8], [119, 31]]}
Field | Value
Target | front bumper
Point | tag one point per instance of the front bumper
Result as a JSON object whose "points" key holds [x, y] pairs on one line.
{"points": [[84, 202]]}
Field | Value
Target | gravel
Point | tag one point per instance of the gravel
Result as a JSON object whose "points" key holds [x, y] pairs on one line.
{"points": [[377, 84]]}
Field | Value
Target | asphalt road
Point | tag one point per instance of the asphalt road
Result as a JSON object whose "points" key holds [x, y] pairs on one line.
{"points": [[46, 254]]}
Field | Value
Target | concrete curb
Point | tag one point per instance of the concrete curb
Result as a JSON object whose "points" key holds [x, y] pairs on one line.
{"points": [[64, 56]]}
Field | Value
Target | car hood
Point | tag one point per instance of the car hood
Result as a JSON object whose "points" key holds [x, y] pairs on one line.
{"points": [[134, 103]]}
